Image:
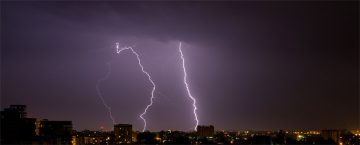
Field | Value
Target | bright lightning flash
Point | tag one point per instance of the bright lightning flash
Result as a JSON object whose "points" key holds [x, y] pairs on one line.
{"points": [[99, 92], [187, 87], [119, 50]]}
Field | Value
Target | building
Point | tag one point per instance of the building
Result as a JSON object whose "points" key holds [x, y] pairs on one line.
{"points": [[55, 132], [16, 111], [15, 127], [205, 131], [93, 137], [123, 133], [333, 135]]}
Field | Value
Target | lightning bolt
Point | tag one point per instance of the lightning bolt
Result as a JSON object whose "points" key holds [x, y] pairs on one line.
{"points": [[99, 92], [187, 87], [119, 50]]}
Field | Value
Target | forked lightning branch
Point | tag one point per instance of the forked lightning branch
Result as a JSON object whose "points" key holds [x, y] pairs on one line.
{"points": [[121, 49]]}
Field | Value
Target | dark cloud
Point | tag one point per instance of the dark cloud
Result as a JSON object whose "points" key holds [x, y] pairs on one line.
{"points": [[251, 65]]}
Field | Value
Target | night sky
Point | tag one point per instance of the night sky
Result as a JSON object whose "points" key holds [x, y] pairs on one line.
{"points": [[251, 65]]}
